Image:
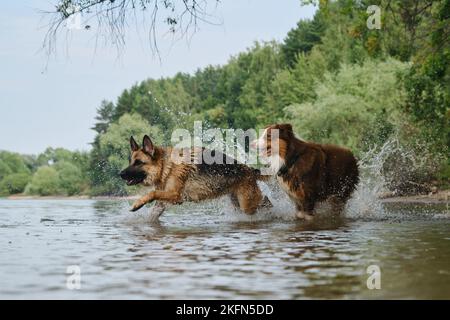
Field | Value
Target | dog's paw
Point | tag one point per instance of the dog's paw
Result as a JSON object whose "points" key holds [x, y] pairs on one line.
{"points": [[137, 205], [304, 216]]}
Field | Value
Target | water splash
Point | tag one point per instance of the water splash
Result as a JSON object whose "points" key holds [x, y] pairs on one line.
{"points": [[377, 176], [365, 201], [391, 169], [282, 207]]}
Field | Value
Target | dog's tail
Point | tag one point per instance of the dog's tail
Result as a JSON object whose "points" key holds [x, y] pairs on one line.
{"points": [[259, 176]]}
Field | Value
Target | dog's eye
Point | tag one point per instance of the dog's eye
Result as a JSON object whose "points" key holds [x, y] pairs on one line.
{"points": [[138, 163]]}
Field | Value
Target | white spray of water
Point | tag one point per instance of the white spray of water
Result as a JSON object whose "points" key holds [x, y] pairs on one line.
{"points": [[364, 204], [387, 170], [365, 201], [282, 208]]}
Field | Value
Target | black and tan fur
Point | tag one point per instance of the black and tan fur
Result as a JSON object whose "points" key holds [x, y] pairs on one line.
{"points": [[176, 182], [310, 172]]}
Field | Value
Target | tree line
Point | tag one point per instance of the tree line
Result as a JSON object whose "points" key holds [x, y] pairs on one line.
{"points": [[333, 78]]}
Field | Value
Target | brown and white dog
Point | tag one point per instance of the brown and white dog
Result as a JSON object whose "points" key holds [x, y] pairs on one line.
{"points": [[309, 172], [176, 182]]}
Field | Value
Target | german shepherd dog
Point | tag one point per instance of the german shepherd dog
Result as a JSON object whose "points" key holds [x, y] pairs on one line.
{"points": [[309, 172], [178, 181]]}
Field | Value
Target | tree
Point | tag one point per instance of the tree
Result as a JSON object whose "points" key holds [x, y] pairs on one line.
{"points": [[255, 98], [163, 103], [296, 84], [14, 183], [111, 17], [358, 107], [207, 87], [70, 178], [246, 86], [12, 163], [51, 156], [104, 116], [5, 170], [14, 173], [340, 81], [302, 38], [45, 182], [428, 83]]}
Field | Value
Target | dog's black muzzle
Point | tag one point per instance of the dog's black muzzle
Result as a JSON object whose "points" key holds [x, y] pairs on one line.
{"points": [[132, 175]]}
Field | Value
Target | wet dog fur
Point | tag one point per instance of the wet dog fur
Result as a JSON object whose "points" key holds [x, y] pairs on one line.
{"points": [[176, 181], [309, 172]]}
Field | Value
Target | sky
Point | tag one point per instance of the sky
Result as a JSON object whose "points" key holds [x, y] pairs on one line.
{"points": [[52, 101]]}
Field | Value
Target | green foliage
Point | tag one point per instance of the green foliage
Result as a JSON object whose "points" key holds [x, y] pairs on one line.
{"points": [[51, 156], [302, 38], [161, 103], [11, 163], [14, 183], [357, 107], [428, 83], [255, 100], [70, 178], [5, 170], [296, 85], [45, 182], [332, 77], [14, 173], [342, 83], [429, 104], [104, 116], [62, 178]]}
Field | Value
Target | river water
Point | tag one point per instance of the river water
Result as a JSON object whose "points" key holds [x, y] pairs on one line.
{"points": [[205, 251]]}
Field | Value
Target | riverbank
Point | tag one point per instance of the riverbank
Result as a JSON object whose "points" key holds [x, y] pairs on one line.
{"points": [[437, 197], [442, 196]]}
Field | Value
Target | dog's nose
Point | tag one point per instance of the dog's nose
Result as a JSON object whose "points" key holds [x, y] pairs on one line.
{"points": [[123, 174]]}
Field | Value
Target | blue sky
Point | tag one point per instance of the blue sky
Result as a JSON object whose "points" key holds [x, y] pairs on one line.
{"points": [[56, 106]]}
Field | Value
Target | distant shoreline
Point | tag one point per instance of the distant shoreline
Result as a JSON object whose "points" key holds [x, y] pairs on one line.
{"points": [[434, 198], [442, 196]]}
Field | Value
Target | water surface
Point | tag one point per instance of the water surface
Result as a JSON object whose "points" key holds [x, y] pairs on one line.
{"points": [[201, 252]]}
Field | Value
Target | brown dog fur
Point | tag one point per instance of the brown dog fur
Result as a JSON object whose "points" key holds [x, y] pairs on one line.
{"points": [[176, 181], [310, 172]]}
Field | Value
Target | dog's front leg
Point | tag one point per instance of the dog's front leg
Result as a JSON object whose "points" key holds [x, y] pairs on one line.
{"points": [[167, 196], [149, 197], [173, 197], [304, 203], [171, 193]]}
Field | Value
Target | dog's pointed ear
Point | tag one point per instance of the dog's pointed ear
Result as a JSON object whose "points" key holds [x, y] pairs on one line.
{"points": [[147, 146], [133, 144]]}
